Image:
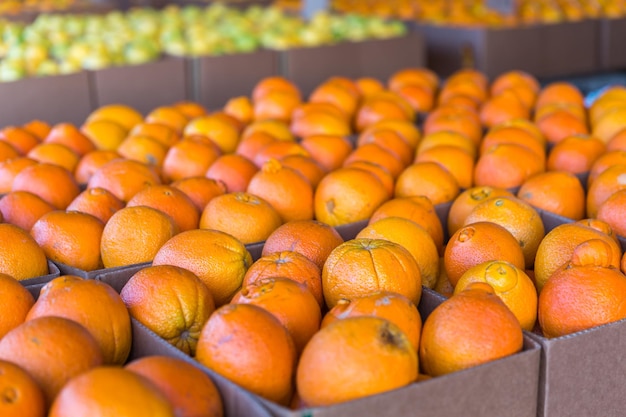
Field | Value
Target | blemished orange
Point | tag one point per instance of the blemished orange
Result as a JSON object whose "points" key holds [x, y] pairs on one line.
{"points": [[360, 266], [163, 134], [275, 105], [189, 108], [191, 392], [414, 238], [245, 216], [310, 238], [22, 208], [21, 139], [110, 389], [217, 258], [510, 284], [234, 170], [454, 119], [575, 154], [599, 225], [285, 189], [52, 350], [276, 128], [7, 151], [134, 235], [611, 212], [54, 184], [455, 160], [171, 301], [249, 346], [467, 200], [354, 358], [604, 161], [170, 201], [507, 166], [90, 162], [95, 201], [221, 131], [169, 116], [445, 138], [38, 128], [190, 157], [379, 171], [200, 189], [559, 244], [470, 328], [251, 144], [503, 107], [320, 122], [123, 178], [274, 83], [305, 166], [559, 192], [373, 152], [55, 153], [21, 395], [16, 301], [428, 179], [560, 124], [480, 242], [348, 195], [69, 135], [288, 264], [93, 304], [71, 238], [144, 149], [20, 255], [384, 304], [389, 140], [277, 149], [104, 134], [125, 115], [289, 301], [607, 183], [240, 108], [418, 209]]}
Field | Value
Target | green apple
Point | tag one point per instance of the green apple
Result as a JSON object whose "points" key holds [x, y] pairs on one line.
{"points": [[12, 70]]}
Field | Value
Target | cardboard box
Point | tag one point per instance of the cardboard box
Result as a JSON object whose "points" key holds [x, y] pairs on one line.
{"points": [[34, 285], [118, 277], [611, 44], [382, 58], [53, 99], [143, 87], [70, 270], [220, 78]]}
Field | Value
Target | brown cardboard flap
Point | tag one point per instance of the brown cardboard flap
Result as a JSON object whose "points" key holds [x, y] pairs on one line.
{"points": [[34, 285], [349, 231], [551, 220], [118, 277], [611, 44], [53, 99], [255, 249], [442, 211], [143, 87], [381, 58]]}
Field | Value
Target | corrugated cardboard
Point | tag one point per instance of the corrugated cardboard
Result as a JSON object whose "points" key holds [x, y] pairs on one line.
{"points": [[381, 58], [220, 78], [53, 99], [70, 270], [118, 277], [612, 51], [143, 87], [34, 284]]}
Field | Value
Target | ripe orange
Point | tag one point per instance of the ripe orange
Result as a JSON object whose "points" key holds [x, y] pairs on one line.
{"points": [[90, 162], [353, 358], [277, 149], [123, 178], [170, 201], [7, 151], [16, 301], [389, 140], [125, 115], [420, 97], [249, 346], [170, 301], [144, 149], [55, 153], [23, 209], [275, 105], [251, 144], [276, 128], [9, 169], [560, 92], [503, 107], [247, 217], [455, 160], [428, 179], [320, 106], [21, 394], [603, 162], [190, 157], [105, 134], [470, 328], [559, 192], [559, 124], [607, 183], [575, 154], [421, 76], [445, 138], [163, 134], [617, 141], [96, 201], [305, 166], [223, 132], [524, 84], [275, 83], [20, 255], [465, 202], [383, 105], [71, 238], [38, 128], [234, 170], [501, 134], [93, 304], [379, 171], [191, 109], [134, 235], [454, 119], [240, 108], [375, 153], [200, 189], [52, 183], [343, 95], [169, 116], [507, 166], [368, 86], [217, 258], [21, 139], [611, 212], [320, 122], [68, 135], [409, 131]]}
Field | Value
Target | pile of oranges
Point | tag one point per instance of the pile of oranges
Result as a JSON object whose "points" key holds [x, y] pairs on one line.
{"points": [[315, 319]]}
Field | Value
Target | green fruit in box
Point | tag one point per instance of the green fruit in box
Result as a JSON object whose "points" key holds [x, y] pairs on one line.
{"points": [[47, 67], [69, 67], [140, 51], [12, 70]]}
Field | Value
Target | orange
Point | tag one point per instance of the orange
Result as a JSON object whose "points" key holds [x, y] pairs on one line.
{"points": [[305, 166], [276, 128], [38, 128], [52, 350], [470, 328], [389, 140], [361, 266], [245, 216], [599, 225], [373, 152], [320, 122], [609, 124], [54, 184], [20, 139], [200, 190], [285, 189], [105, 134], [501, 134], [275, 105], [559, 192], [453, 99], [428, 179], [515, 215], [249, 346], [414, 238], [578, 111], [348, 195], [96, 201], [320, 106], [336, 94], [575, 154], [384, 105], [20, 255], [251, 144], [190, 391], [507, 166], [114, 390], [455, 160], [70, 237], [170, 201], [524, 124], [224, 133], [163, 134], [7, 151], [240, 108], [190, 157], [90, 162], [169, 116], [234, 170], [379, 171], [420, 97], [480, 242], [274, 83], [384, 304], [143, 149], [617, 141], [16, 301], [287, 264], [604, 161], [560, 92], [170, 301], [125, 115], [310, 238], [421, 76], [368, 86], [123, 178], [67, 134], [217, 258], [467, 200], [503, 107], [134, 235], [510, 284], [560, 124], [608, 182], [445, 138], [612, 97], [190, 109], [21, 394], [408, 130], [474, 94], [22, 208], [611, 212], [55, 153], [354, 358], [289, 301], [454, 119], [93, 304], [558, 246], [277, 150], [522, 83]]}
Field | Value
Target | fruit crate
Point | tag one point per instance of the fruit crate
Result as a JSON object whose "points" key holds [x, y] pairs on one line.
{"points": [[612, 52], [34, 285]]}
